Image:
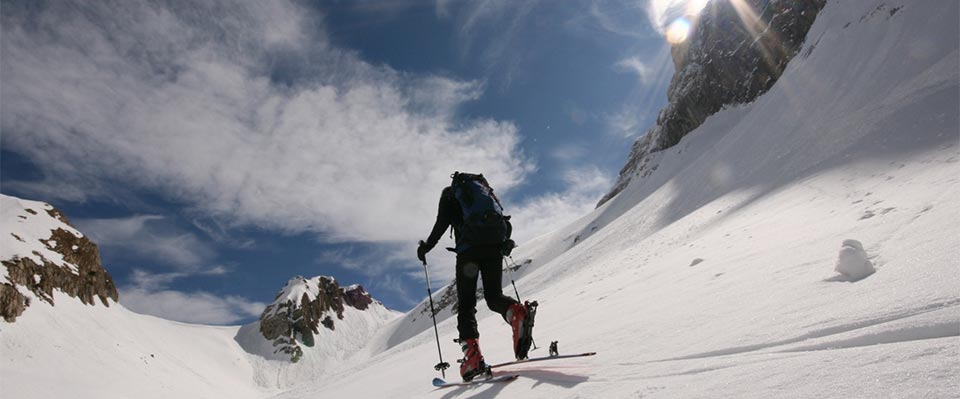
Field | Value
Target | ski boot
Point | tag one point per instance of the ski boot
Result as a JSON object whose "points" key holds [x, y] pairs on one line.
{"points": [[472, 364], [521, 318]]}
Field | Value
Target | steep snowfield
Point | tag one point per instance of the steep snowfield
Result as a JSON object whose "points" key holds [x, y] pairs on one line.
{"points": [[714, 277]]}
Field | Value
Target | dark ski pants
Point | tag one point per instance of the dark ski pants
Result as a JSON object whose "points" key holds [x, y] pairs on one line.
{"points": [[491, 273]]}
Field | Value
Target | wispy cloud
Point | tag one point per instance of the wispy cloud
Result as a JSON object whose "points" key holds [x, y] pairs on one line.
{"points": [[568, 152], [635, 65], [147, 236], [148, 293], [620, 17], [190, 307], [627, 122], [394, 284], [206, 105], [494, 32]]}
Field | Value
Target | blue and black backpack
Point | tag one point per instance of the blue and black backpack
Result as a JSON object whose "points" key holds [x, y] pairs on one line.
{"points": [[483, 220]]}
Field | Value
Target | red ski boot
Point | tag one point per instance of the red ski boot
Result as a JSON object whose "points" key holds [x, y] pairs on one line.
{"points": [[472, 363], [521, 318]]}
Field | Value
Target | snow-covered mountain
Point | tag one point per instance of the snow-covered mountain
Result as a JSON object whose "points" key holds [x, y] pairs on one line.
{"points": [[57, 343], [716, 275], [311, 328], [736, 51], [804, 244], [45, 256]]}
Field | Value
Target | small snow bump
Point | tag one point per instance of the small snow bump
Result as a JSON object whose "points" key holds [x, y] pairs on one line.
{"points": [[853, 262], [695, 262]]}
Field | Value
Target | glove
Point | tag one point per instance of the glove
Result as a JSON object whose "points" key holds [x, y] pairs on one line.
{"points": [[422, 250], [507, 247]]}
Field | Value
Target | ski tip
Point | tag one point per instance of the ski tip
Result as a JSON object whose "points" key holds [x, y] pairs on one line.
{"points": [[437, 382]]}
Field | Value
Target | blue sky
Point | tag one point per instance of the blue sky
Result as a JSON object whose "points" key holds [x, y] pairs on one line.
{"points": [[215, 149]]}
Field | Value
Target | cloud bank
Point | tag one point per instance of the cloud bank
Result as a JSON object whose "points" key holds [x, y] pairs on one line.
{"points": [[241, 111]]}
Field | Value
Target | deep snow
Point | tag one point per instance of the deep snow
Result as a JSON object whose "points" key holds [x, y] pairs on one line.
{"points": [[713, 277]]}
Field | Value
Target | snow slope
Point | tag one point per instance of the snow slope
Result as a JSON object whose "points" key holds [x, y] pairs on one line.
{"points": [[76, 351], [714, 277]]}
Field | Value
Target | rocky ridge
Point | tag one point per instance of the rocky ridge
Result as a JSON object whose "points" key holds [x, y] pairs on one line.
{"points": [[736, 51], [42, 253], [303, 306]]}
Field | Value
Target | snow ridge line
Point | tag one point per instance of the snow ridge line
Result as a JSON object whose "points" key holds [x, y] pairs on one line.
{"points": [[939, 330], [914, 333]]}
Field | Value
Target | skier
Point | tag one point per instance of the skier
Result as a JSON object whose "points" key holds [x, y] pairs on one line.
{"points": [[482, 236]]}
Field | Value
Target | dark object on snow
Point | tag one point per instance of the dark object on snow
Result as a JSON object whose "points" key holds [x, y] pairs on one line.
{"points": [[481, 232], [553, 348], [442, 366], [541, 359]]}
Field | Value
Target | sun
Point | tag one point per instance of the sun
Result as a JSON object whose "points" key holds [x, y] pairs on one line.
{"points": [[678, 31]]}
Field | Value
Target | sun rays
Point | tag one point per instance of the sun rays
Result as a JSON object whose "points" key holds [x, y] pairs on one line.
{"points": [[682, 27]]}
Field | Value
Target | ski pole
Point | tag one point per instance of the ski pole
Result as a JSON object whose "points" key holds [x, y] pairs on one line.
{"points": [[442, 366], [511, 278], [534, 342]]}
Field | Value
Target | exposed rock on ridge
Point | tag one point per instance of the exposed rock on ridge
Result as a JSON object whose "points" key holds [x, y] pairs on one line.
{"points": [[732, 57], [303, 306], [42, 253]]}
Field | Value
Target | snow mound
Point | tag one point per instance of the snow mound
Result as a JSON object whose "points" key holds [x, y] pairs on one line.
{"points": [[853, 261]]}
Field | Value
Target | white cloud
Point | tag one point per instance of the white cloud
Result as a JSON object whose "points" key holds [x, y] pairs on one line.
{"points": [[196, 307], [568, 152], [395, 285], [142, 235], [620, 17], [625, 123], [148, 294], [143, 279], [181, 102]]}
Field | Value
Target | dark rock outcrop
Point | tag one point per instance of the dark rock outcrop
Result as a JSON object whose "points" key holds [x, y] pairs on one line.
{"points": [[303, 306], [734, 54], [82, 276], [357, 297]]}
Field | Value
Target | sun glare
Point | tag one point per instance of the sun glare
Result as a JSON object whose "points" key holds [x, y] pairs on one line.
{"points": [[695, 6], [678, 31]]}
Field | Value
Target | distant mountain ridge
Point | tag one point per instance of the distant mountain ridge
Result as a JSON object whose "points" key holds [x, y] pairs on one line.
{"points": [[303, 306], [732, 57]]}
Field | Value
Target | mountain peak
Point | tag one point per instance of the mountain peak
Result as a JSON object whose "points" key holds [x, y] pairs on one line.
{"points": [[42, 253], [303, 305]]}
